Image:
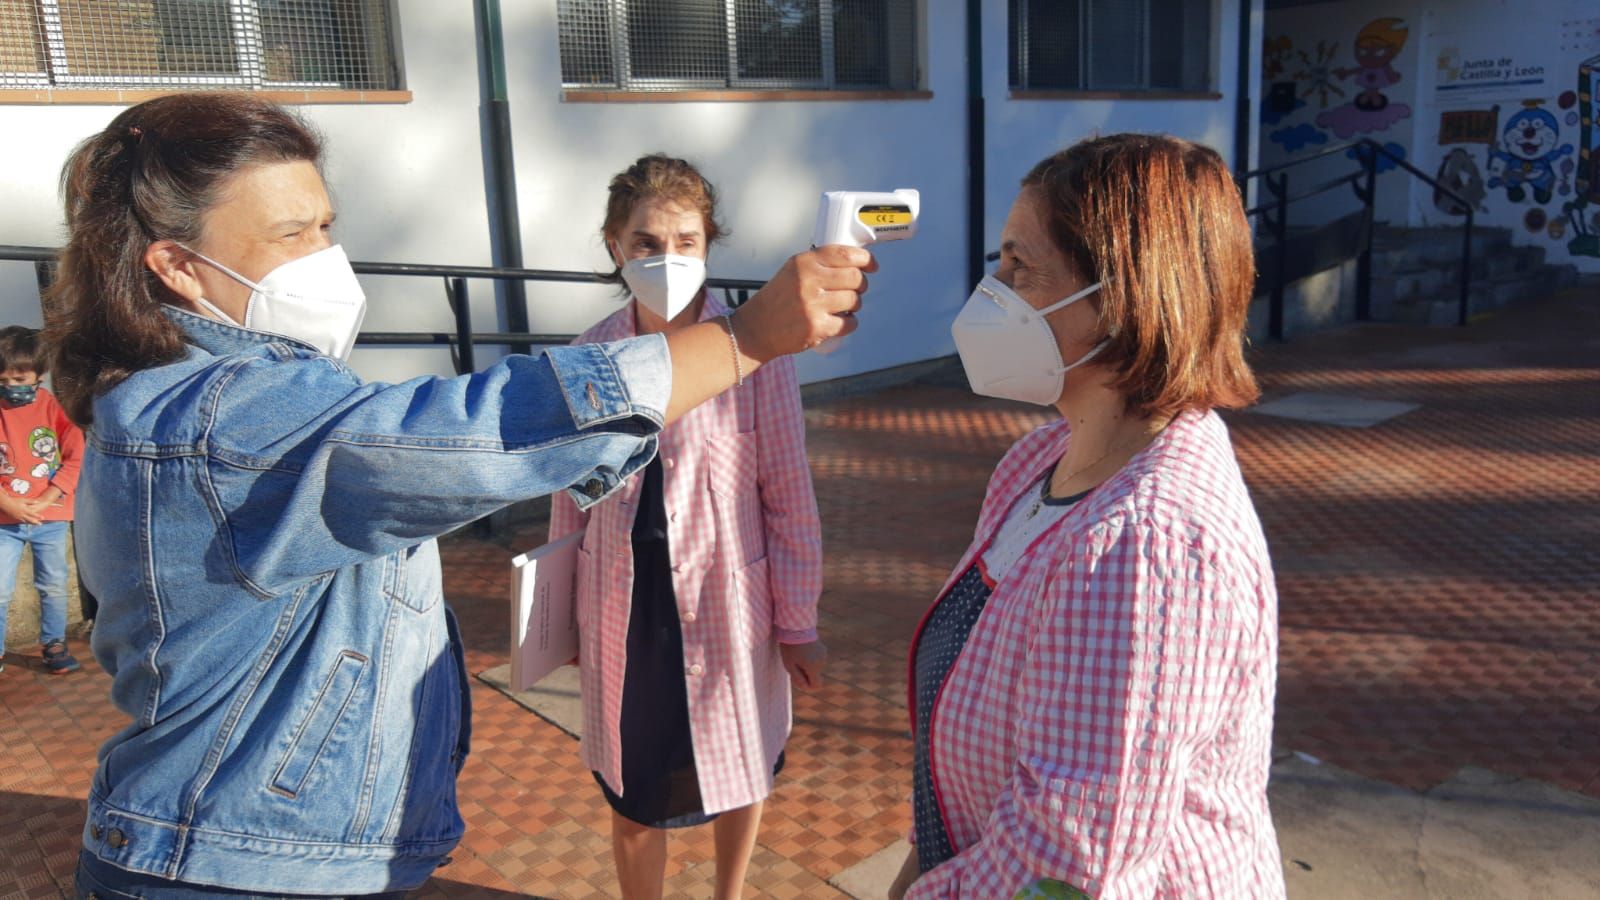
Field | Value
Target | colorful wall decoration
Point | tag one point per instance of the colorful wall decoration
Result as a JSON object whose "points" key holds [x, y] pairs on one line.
{"points": [[1376, 45], [1530, 147]]}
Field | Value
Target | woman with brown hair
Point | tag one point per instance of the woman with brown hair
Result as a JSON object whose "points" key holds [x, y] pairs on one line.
{"points": [[698, 581], [1091, 694], [258, 523]]}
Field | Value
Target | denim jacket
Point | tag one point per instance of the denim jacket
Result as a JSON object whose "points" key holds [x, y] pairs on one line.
{"points": [[258, 525]]}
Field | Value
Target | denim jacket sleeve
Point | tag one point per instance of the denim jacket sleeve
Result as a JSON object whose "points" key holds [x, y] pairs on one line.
{"points": [[312, 470]]}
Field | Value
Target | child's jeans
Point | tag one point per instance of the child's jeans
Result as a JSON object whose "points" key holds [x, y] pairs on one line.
{"points": [[49, 575]]}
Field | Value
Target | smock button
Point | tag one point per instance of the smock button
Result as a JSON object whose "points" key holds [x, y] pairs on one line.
{"points": [[94, 832], [695, 669], [667, 463], [593, 488], [117, 839], [688, 617]]}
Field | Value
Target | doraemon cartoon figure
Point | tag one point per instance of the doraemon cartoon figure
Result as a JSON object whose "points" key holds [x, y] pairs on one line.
{"points": [[1530, 144]]}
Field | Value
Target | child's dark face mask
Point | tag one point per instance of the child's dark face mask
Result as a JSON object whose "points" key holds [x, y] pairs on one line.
{"points": [[19, 394]]}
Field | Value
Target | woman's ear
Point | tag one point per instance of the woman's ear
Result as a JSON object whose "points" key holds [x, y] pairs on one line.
{"points": [[175, 267], [615, 252]]}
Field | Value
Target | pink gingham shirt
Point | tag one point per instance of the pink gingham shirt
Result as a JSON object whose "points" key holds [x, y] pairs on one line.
{"points": [[1109, 720], [746, 547]]}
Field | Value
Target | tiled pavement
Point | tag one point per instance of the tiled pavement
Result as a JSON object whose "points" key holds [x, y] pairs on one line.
{"points": [[1439, 574]]}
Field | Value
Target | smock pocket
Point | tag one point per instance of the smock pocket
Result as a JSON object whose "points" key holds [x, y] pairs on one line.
{"points": [[753, 593], [732, 470], [316, 730]]}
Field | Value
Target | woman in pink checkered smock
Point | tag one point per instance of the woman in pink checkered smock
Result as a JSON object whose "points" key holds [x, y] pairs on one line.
{"points": [[1091, 694], [698, 580]]}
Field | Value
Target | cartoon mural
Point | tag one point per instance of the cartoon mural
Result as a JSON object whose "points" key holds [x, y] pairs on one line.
{"points": [[1318, 75], [1588, 100], [1377, 44], [1299, 137], [1530, 145], [1274, 56], [1459, 172], [1585, 228]]}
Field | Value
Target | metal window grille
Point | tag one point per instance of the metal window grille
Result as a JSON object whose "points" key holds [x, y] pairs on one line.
{"points": [[665, 45], [198, 44], [1109, 45]]}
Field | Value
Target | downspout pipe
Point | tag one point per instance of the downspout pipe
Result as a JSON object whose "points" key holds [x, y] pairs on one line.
{"points": [[975, 143], [1244, 110], [500, 166]]}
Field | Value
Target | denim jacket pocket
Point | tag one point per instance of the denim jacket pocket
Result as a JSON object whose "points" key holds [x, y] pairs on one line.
{"points": [[316, 730], [411, 576]]}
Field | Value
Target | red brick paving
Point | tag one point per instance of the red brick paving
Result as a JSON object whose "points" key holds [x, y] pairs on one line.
{"points": [[1439, 576]]}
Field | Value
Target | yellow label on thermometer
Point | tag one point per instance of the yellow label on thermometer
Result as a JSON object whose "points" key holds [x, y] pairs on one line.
{"points": [[884, 216]]}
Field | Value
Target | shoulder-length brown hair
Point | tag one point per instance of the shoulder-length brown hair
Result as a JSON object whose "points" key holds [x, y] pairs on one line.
{"points": [[151, 175], [1159, 223], [658, 177]]}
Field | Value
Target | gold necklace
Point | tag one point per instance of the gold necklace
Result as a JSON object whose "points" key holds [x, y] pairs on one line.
{"points": [[1146, 435]]}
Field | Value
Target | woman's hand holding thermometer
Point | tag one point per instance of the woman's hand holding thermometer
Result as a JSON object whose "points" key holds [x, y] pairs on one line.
{"points": [[861, 219]]}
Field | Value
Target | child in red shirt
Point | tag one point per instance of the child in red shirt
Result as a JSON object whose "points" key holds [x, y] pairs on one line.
{"points": [[40, 454]]}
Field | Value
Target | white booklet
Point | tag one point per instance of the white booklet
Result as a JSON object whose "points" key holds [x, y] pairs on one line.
{"points": [[544, 610]]}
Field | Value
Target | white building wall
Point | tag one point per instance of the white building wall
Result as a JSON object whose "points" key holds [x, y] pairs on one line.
{"points": [[406, 178], [409, 179], [1023, 131], [770, 162]]}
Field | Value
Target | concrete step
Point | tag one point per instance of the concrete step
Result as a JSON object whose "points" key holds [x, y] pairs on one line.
{"points": [[1442, 307], [1395, 249]]}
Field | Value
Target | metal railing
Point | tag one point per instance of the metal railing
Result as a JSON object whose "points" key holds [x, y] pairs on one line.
{"points": [[1274, 216], [462, 340]]}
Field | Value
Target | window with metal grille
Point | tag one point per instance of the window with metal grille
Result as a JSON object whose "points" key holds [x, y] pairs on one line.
{"points": [[1110, 45], [198, 44], [672, 45]]}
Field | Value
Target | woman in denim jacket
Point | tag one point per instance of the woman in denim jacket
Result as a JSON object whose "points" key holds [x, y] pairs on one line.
{"points": [[258, 523]]}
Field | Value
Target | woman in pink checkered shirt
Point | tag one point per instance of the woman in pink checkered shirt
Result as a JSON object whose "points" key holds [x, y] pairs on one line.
{"points": [[1092, 692], [698, 580]]}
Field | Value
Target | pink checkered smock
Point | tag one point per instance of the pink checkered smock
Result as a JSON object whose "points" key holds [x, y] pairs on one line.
{"points": [[746, 546], [1108, 722]]}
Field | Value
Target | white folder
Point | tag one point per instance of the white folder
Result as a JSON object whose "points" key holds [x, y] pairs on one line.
{"points": [[544, 610]]}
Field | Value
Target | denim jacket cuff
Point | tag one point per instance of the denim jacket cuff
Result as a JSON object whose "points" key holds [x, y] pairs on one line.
{"points": [[605, 382]]}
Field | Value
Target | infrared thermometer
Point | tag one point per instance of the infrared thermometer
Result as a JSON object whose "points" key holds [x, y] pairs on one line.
{"points": [[861, 219]]}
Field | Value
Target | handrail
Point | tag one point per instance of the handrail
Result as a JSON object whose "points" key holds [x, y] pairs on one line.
{"points": [[1364, 182], [1289, 164], [1326, 186], [1400, 161], [463, 340]]}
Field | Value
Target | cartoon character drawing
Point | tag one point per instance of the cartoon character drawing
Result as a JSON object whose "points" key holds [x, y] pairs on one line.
{"points": [[6, 468], [1585, 234], [1377, 44], [1317, 74], [42, 470], [1275, 53], [1459, 172], [43, 442], [20, 486], [1531, 146]]}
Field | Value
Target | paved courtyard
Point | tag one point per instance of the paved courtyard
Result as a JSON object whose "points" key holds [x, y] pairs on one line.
{"points": [[1439, 574]]}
